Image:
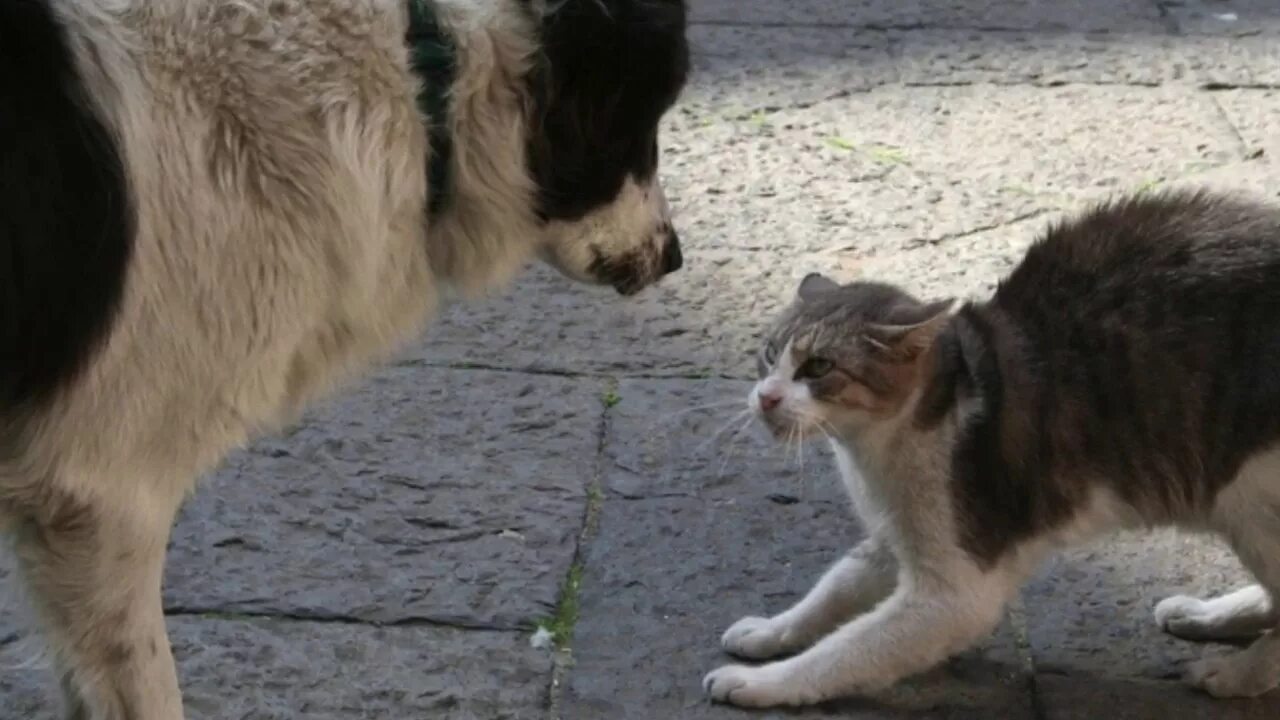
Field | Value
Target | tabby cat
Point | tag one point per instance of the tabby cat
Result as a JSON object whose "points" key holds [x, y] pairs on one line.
{"points": [[1125, 375]]}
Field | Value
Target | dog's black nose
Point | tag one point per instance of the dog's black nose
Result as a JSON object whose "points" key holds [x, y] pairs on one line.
{"points": [[671, 257]]}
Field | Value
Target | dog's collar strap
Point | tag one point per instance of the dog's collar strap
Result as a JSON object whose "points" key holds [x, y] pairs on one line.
{"points": [[434, 58]]}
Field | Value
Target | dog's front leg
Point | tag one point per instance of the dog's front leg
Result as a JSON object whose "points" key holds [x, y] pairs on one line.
{"points": [[93, 570], [918, 626]]}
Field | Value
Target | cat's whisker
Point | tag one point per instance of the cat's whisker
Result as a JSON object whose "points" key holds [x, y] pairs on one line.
{"points": [[707, 406], [798, 442], [800, 449], [651, 428], [731, 445], [793, 439], [796, 435], [824, 426], [731, 421]]}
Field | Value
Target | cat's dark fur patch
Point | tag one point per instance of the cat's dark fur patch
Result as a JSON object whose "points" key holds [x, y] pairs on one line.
{"points": [[1136, 347]]}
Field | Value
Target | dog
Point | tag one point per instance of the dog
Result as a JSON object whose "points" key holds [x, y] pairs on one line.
{"points": [[212, 212]]}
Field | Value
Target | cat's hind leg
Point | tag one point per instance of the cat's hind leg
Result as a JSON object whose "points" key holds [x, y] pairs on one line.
{"points": [[851, 587], [1241, 615], [1248, 514]]}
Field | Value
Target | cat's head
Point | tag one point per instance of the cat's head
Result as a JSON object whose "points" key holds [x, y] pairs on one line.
{"points": [[843, 356]]}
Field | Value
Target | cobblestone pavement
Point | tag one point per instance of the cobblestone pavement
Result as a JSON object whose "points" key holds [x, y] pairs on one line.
{"points": [[536, 459]]}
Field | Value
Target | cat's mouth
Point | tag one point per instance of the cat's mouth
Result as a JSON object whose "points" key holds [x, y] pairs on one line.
{"points": [[785, 426]]}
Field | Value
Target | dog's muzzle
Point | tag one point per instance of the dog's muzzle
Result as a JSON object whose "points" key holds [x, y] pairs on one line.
{"points": [[672, 259], [632, 273]]}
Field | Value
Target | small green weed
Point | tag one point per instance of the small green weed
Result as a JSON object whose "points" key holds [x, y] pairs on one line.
{"points": [[560, 625]]}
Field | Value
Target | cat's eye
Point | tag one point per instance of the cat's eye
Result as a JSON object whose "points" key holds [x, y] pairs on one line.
{"points": [[814, 368]]}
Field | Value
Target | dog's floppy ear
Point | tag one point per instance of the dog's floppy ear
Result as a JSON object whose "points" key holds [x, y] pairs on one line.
{"points": [[608, 71]]}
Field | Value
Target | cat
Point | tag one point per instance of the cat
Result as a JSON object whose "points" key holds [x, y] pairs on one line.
{"points": [[1126, 374]]}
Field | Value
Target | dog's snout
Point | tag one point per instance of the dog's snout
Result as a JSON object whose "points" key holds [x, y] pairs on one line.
{"points": [[672, 258]]}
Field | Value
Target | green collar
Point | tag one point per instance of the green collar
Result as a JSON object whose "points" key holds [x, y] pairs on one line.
{"points": [[434, 59]]}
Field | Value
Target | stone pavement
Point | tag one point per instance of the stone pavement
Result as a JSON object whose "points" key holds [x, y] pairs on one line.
{"points": [[537, 460]]}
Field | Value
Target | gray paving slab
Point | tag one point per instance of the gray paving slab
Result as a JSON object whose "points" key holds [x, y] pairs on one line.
{"points": [[693, 536], [1258, 178], [264, 669], [1216, 61], [1255, 114], [891, 177], [1232, 18], [1101, 696], [1099, 15], [941, 57], [1094, 642], [439, 495], [898, 166], [1092, 608], [707, 322], [965, 266], [1209, 53], [693, 439], [856, 181], [698, 324], [739, 70]]}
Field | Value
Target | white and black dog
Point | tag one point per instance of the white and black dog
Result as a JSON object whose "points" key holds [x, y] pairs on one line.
{"points": [[211, 211]]}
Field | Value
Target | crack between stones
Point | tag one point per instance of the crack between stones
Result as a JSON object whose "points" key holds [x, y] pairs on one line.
{"points": [[1022, 638], [889, 27], [336, 619], [1038, 709], [568, 374], [770, 110], [1021, 217], [1164, 7], [631, 497], [1213, 87], [1145, 84], [767, 111], [1167, 18], [563, 661], [1225, 119]]}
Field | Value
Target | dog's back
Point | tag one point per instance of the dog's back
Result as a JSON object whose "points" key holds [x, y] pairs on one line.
{"points": [[208, 213], [237, 213]]}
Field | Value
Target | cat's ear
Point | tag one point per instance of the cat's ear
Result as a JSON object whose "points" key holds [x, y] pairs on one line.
{"points": [[815, 284], [907, 341]]}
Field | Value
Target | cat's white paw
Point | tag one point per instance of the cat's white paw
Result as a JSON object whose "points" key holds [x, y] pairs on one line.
{"points": [[1232, 676], [745, 686], [756, 638], [1243, 614], [1182, 616]]}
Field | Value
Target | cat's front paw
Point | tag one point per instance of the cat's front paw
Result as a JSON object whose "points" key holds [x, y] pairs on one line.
{"points": [[744, 686], [756, 638], [1182, 616]]}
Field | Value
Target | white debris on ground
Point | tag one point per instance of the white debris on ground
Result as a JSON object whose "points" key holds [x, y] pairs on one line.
{"points": [[542, 639]]}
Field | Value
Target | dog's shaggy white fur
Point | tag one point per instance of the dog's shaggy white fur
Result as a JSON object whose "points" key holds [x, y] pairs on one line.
{"points": [[213, 211]]}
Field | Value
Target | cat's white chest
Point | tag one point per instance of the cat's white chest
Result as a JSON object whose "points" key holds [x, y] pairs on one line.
{"points": [[869, 506]]}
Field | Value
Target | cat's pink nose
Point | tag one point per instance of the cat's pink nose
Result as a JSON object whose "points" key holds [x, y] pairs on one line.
{"points": [[769, 401]]}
